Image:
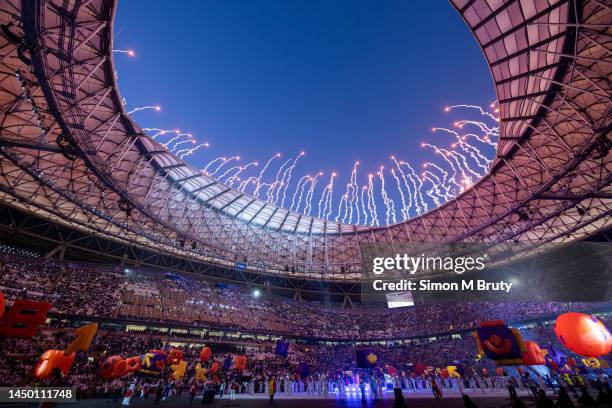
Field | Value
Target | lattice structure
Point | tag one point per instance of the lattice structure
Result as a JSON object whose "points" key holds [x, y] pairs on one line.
{"points": [[69, 152]]}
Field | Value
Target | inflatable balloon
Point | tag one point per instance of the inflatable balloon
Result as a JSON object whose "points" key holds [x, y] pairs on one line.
{"points": [[499, 371], [453, 371], [583, 334], [571, 362], [460, 369], [499, 342], [533, 354], [200, 372], [554, 357], [205, 354], [23, 318], [153, 362], [214, 367], [444, 373], [419, 368], [120, 368], [107, 367], [591, 362], [391, 370], [178, 370], [175, 356], [50, 360], [84, 337], [485, 372], [240, 362], [132, 364]]}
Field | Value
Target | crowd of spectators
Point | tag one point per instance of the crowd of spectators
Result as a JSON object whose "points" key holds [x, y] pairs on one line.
{"points": [[85, 290], [330, 367], [154, 296]]}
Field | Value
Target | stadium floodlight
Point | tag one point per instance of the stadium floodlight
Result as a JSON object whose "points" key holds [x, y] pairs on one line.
{"points": [[256, 293]]}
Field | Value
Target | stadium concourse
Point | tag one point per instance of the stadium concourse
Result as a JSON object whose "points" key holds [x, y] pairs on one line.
{"points": [[134, 278]]}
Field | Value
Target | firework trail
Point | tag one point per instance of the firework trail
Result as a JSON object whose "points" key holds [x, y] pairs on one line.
{"points": [[130, 53], [243, 184], [313, 183], [160, 132], [445, 179], [223, 163], [188, 152], [192, 141], [436, 186], [460, 158], [479, 108], [299, 202], [408, 205], [483, 127], [445, 155], [440, 151], [420, 204], [371, 202], [341, 205], [261, 173], [353, 197], [389, 204], [178, 136], [328, 204], [277, 182], [363, 209], [430, 191], [403, 211], [297, 188], [480, 159], [290, 172], [326, 196], [484, 139], [241, 170], [210, 163], [472, 151], [226, 172], [141, 108]]}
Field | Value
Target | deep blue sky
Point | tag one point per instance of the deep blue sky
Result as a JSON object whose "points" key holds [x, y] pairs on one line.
{"points": [[342, 80]]}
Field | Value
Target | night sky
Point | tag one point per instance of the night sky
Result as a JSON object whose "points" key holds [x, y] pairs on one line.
{"points": [[341, 80]]}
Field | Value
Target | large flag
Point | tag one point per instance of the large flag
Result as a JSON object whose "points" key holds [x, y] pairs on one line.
{"points": [[282, 348]]}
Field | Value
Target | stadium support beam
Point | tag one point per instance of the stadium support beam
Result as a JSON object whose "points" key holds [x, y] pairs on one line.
{"points": [[32, 146], [578, 197], [60, 250]]}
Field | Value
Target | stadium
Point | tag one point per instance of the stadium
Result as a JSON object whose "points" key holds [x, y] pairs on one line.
{"points": [[130, 276]]}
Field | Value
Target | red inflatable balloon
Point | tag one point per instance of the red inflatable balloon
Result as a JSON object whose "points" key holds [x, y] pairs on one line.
{"points": [[240, 362], [583, 334], [205, 354], [214, 367], [499, 371], [533, 354], [107, 368]]}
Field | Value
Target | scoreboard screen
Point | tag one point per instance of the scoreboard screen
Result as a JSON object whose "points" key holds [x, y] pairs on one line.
{"points": [[399, 299]]}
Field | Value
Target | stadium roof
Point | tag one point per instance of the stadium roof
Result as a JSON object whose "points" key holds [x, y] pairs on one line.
{"points": [[70, 152]]}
